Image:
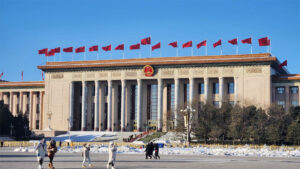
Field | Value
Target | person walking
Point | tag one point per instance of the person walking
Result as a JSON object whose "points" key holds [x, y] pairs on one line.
{"points": [[112, 151], [41, 150], [156, 151], [149, 150], [52, 149], [86, 155]]}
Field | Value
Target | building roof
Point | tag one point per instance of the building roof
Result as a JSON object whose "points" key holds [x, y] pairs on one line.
{"points": [[186, 60], [287, 77], [23, 84]]}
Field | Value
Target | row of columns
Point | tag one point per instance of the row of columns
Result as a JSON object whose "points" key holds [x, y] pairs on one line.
{"points": [[139, 101], [13, 99]]}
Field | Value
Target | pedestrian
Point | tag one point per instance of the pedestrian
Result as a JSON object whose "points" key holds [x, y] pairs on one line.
{"points": [[149, 150], [52, 149], [86, 155], [41, 151], [156, 151], [112, 151]]}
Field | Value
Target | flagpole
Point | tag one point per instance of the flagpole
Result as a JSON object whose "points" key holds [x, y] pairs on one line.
{"points": [[110, 56], [84, 54], [221, 50], [150, 47], [97, 55], [72, 56], [270, 46], [251, 48], [192, 51], [237, 45], [177, 48], [206, 49], [123, 55]]}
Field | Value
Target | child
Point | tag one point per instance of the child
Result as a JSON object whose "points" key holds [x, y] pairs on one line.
{"points": [[40, 152], [156, 150], [112, 150], [86, 155], [51, 152]]}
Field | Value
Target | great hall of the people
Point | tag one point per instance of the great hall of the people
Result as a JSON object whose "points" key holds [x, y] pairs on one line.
{"points": [[134, 94]]}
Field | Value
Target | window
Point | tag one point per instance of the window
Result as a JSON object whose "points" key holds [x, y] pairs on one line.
{"points": [[201, 88], [216, 104], [281, 103], [294, 90], [230, 87], [280, 90], [106, 90], [295, 103], [215, 88]]}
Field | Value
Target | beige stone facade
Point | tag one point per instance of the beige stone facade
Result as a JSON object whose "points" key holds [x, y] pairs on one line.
{"points": [[115, 95]]}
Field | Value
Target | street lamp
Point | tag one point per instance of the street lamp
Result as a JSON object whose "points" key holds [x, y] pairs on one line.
{"points": [[69, 122], [188, 114]]}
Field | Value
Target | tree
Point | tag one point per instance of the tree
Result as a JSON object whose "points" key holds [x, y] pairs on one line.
{"points": [[6, 119]]}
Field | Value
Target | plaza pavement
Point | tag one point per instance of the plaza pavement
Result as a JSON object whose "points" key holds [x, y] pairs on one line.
{"points": [[21, 160]]}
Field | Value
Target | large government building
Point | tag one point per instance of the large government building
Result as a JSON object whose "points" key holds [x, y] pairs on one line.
{"points": [[135, 94]]}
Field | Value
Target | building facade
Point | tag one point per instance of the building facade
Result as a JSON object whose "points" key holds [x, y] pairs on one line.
{"points": [[135, 94]]}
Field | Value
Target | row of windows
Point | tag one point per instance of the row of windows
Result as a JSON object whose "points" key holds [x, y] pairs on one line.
{"points": [[230, 88], [282, 103], [293, 90]]}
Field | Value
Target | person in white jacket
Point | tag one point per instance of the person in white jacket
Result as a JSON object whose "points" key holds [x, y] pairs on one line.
{"points": [[41, 150], [86, 155], [112, 151]]}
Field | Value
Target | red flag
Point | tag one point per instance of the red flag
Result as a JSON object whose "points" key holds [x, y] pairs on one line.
{"points": [[1, 75], [248, 40], [22, 74], [136, 46], [187, 44], [264, 41], [120, 47], [283, 64], [93, 48], [146, 41], [233, 41], [57, 50], [203, 43], [69, 49], [157, 46], [173, 44], [43, 51], [218, 43], [80, 49], [50, 53], [42, 75], [107, 48]]}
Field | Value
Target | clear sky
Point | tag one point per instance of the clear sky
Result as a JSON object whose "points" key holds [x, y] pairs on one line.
{"points": [[27, 26]]}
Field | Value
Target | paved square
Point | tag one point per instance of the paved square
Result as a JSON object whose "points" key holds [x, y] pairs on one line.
{"points": [[18, 160]]}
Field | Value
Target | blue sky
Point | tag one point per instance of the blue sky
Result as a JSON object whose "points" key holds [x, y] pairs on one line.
{"points": [[27, 26]]}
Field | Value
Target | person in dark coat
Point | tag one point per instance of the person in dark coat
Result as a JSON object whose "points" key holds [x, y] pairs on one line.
{"points": [[149, 150], [156, 151], [52, 149]]}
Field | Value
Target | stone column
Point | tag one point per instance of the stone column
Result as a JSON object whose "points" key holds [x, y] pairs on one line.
{"points": [[102, 104], [299, 95], [221, 91], [139, 105], [1, 96], [123, 94], [96, 116], [176, 100], [71, 104], [34, 111], [30, 109], [109, 105], [235, 90], [5, 98], [84, 106], [159, 104], [287, 97], [206, 90], [21, 102], [41, 110], [15, 104], [11, 102], [192, 86]]}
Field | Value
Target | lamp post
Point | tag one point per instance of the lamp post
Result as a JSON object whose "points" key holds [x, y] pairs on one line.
{"points": [[69, 126], [188, 114], [25, 127]]}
